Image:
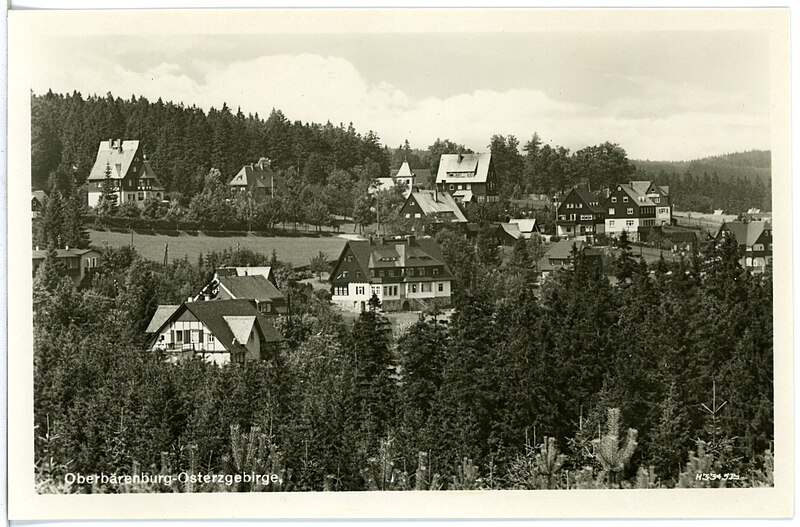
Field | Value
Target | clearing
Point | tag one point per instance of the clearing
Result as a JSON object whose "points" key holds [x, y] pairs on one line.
{"points": [[294, 250]]}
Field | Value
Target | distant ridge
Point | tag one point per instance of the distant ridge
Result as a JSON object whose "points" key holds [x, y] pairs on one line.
{"points": [[753, 163]]}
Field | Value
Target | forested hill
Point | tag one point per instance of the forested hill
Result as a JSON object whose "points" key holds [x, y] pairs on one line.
{"points": [[728, 166], [732, 182], [185, 142]]}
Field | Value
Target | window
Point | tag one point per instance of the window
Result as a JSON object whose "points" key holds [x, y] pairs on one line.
{"points": [[629, 223], [360, 290], [141, 196], [611, 212], [210, 338], [580, 205], [468, 186], [630, 211], [610, 223], [613, 199], [426, 287], [131, 197], [417, 215], [412, 288], [625, 199], [421, 271], [380, 272], [571, 217], [452, 187], [435, 271], [408, 214], [441, 286], [350, 258], [410, 271], [758, 247], [460, 186], [586, 216], [358, 274]]}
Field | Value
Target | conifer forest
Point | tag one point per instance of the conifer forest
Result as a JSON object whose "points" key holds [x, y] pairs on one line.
{"points": [[632, 374]]}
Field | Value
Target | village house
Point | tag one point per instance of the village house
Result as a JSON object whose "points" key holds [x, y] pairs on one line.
{"points": [[439, 207], [467, 177], [131, 176], [219, 332], [559, 256], [507, 233], [636, 208], [249, 283], [38, 197], [259, 179], [403, 177], [76, 263], [755, 242], [580, 213], [407, 273]]}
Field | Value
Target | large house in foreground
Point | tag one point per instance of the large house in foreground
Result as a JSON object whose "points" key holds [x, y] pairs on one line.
{"points": [[467, 177], [406, 273], [131, 176], [755, 242], [220, 332]]}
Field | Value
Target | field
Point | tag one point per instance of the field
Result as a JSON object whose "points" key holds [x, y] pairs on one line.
{"points": [[295, 250]]}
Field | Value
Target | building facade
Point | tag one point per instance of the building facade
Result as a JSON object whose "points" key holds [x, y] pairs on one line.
{"points": [[754, 239], [219, 332], [467, 177], [580, 213], [128, 172], [438, 207], [77, 264], [259, 179], [407, 273]]}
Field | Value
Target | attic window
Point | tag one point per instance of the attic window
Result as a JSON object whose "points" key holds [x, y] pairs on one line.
{"points": [[350, 258], [389, 259]]}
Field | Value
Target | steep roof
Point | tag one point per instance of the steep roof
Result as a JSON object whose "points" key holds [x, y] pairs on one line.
{"points": [[162, 314], [108, 154], [379, 254], [213, 314], [525, 225], [257, 176], [640, 187], [240, 326], [746, 233], [467, 168], [438, 204], [637, 197], [592, 200], [512, 229], [255, 287], [404, 171]]}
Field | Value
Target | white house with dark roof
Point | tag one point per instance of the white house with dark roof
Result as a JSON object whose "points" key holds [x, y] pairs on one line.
{"points": [[403, 273], [131, 175], [467, 177], [219, 332], [76, 263]]}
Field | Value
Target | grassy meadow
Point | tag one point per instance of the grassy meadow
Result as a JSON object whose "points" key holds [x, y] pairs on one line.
{"points": [[295, 250]]}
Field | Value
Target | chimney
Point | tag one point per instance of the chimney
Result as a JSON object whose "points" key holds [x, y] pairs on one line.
{"points": [[207, 297], [436, 191], [607, 191], [189, 299], [412, 240], [119, 145]]}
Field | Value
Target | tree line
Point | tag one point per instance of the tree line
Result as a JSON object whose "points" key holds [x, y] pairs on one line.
{"points": [[588, 382]]}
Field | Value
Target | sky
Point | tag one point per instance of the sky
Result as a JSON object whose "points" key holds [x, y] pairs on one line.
{"points": [[666, 95]]}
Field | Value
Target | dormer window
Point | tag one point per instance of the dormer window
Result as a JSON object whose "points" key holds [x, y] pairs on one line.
{"points": [[625, 199]]}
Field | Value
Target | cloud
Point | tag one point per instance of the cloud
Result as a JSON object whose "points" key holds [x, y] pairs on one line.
{"points": [[659, 120]]}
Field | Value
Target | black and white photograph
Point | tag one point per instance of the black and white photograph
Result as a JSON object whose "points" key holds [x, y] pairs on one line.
{"points": [[522, 253]]}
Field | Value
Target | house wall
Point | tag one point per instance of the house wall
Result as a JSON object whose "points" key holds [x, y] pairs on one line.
{"points": [[615, 227], [357, 292]]}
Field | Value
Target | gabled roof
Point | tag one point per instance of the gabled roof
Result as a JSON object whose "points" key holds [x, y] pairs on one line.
{"points": [[119, 161], [402, 252], [525, 225], [640, 187], [746, 233], [38, 195], [255, 287], [512, 229], [637, 197], [257, 176], [162, 314], [241, 326], [439, 204], [214, 313], [589, 198], [468, 168]]}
